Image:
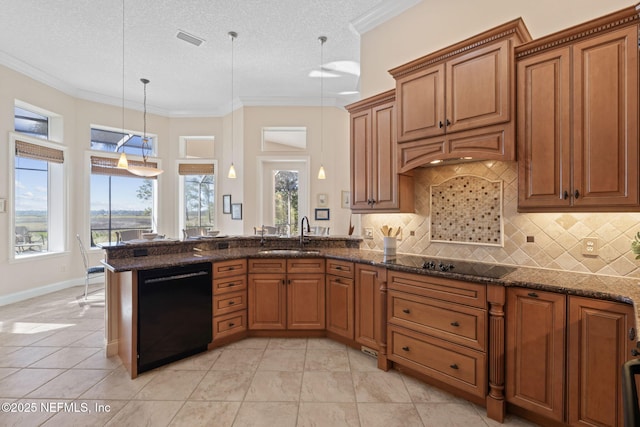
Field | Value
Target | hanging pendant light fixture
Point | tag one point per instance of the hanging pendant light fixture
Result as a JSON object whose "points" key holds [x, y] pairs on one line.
{"points": [[321, 173], [146, 169], [122, 161], [232, 169]]}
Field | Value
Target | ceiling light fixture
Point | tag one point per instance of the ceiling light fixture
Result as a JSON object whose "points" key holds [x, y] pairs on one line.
{"points": [[189, 38], [321, 172], [146, 170], [232, 169]]}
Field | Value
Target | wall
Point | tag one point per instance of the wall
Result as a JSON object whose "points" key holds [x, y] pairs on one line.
{"points": [[431, 25], [557, 236]]}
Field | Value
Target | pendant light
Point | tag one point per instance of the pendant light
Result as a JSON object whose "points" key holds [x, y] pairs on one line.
{"points": [[232, 169], [146, 170], [122, 161], [321, 173]]}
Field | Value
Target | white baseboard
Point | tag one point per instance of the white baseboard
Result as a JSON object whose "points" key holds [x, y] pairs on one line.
{"points": [[43, 290]]}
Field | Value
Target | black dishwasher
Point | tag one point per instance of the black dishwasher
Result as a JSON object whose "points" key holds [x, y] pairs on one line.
{"points": [[174, 313]]}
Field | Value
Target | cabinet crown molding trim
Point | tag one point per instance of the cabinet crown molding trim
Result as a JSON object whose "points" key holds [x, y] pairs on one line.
{"points": [[372, 101], [622, 18], [517, 26]]}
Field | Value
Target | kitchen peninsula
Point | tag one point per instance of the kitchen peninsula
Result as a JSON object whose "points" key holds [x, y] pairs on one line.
{"points": [[455, 324]]}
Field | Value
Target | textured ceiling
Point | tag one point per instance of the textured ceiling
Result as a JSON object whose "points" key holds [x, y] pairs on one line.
{"points": [[77, 46]]}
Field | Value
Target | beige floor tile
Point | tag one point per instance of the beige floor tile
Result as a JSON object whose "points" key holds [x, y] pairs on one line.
{"points": [[198, 362], [99, 360], [118, 385], [267, 414], [99, 413], [31, 414], [287, 343], [94, 339], [283, 360], [360, 362], [206, 414], [9, 349], [449, 414], [321, 386], [25, 381], [70, 384], [4, 372], [144, 413], [321, 359], [424, 393], [66, 357], [62, 338], [171, 385], [324, 343], [380, 387], [11, 339], [25, 356], [223, 385], [254, 343], [392, 415], [328, 415], [238, 360], [275, 386]]}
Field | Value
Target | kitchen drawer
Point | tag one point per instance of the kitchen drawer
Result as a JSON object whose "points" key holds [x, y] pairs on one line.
{"points": [[340, 268], [305, 265], [467, 293], [268, 265], [458, 366], [229, 284], [229, 324], [228, 303], [229, 268], [452, 322]]}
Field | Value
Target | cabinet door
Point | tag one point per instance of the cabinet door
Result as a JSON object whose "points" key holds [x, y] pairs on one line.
{"points": [[361, 178], [340, 309], [535, 351], [605, 119], [598, 346], [478, 88], [421, 106], [544, 145], [368, 324], [384, 173], [267, 301], [305, 301]]}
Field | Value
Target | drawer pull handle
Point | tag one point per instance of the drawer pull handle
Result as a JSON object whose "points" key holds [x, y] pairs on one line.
{"points": [[338, 267], [231, 302], [454, 366], [455, 324], [533, 295], [406, 310], [405, 348], [232, 284], [231, 325]]}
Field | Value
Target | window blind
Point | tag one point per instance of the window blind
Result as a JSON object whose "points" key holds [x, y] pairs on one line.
{"points": [[39, 152], [195, 169]]}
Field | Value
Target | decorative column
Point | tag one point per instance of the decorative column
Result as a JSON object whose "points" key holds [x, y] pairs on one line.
{"points": [[496, 296]]}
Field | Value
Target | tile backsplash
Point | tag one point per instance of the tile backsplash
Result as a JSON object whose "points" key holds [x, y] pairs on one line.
{"points": [[557, 237]]}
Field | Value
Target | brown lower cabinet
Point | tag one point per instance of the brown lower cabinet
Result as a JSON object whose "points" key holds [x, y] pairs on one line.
{"points": [[563, 356], [340, 298], [286, 293], [369, 305], [229, 298]]}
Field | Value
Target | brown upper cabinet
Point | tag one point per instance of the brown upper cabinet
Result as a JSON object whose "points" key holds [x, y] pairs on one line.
{"points": [[578, 118], [459, 102], [375, 182]]}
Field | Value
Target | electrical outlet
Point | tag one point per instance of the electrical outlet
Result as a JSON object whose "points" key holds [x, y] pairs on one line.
{"points": [[590, 246], [368, 233], [412, 233]]}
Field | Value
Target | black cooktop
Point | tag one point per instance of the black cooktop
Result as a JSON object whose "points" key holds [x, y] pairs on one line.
{"points": [[480, 269]]}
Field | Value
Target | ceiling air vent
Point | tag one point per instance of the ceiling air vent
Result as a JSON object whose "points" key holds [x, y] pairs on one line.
{"points": [[189, 38]]}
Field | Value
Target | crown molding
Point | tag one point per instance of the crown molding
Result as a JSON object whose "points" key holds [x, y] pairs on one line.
{"points": [[381, 13]]}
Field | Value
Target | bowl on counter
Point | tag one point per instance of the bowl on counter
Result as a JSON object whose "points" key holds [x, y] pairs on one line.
{"points": [[213, 233], [149, 236]]}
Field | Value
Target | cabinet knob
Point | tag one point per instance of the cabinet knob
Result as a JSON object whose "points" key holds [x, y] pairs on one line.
{"points": [[440, 124], [533, 295], [448, 122], [632, 334], [634, 352], [406, 310], [565, 195], [231, 325], [455, 324], [454, 366], [576, 194], [405, 348]]}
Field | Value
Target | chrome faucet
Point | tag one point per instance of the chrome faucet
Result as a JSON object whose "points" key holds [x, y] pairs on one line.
{"points": [[302, 239], [262, 235]]}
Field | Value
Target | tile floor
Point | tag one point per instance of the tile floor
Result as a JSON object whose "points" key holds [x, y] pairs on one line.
{"points": [[54, 372]]}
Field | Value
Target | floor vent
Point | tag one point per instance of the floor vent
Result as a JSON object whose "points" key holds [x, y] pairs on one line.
{"points": [[369, 352]]}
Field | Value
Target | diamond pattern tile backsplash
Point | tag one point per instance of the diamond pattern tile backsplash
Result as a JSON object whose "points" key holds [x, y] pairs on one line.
{"points": [[557, 236]]}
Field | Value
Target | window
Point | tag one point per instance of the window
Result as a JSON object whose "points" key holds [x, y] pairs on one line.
{"points": [[285, 188], [198, 185], [38, 196], [30, 123], [119, 200]]}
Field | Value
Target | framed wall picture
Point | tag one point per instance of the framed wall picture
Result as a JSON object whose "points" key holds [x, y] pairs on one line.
{"points": [[322, 214], [226, 203], [346, 199], [236, 211], [323, 199]]}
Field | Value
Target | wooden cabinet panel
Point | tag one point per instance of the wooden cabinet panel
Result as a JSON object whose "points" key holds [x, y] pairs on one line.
{"points": [[232, 267], [229, 324], [267, 265], [340, 268], [361, 168], [340, 305], [306, 301], [368, 315], [305, 265], [535, 351], [227, 303], [599, 345], [229, 284], [267, 301], [461, 367], [383, 148]]}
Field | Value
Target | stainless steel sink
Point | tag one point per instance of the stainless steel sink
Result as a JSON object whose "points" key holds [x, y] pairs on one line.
{"points": [[285, 252]]}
